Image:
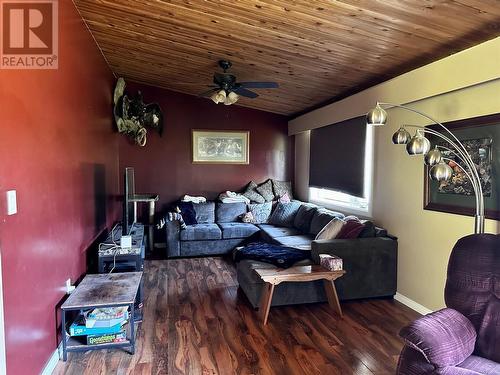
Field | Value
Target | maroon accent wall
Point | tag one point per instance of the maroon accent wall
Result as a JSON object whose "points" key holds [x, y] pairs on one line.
{"points": [[164, 165], [58, 150]]}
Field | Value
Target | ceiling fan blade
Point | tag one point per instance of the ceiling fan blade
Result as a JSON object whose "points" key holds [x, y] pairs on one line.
{"points": [[244, 92], [259, 85], [207, 93]]}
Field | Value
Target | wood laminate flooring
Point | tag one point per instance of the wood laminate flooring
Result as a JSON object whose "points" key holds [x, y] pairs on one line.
{"points": [[197, 321]]}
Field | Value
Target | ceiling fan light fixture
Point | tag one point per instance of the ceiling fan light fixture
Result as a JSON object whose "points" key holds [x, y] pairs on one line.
{"points": [[227, 90], [219, 97], [231, 98]]}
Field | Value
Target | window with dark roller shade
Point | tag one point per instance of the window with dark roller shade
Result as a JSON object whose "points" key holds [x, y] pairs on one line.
{"points": [[337, 157]]}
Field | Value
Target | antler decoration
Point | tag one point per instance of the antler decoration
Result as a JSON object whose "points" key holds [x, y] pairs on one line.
{"points": [[132, 116]]}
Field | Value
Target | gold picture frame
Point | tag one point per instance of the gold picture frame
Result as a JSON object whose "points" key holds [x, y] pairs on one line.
{"points": [[220, 146]]}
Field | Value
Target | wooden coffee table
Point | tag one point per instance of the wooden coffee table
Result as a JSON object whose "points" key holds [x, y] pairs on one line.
{"points": [[272, 277]]}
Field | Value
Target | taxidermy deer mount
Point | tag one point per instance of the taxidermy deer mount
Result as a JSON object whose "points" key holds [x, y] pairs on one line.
{"points": [[132, 116]]}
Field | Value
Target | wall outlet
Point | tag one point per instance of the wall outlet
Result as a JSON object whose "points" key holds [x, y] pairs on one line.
{"points": [[69, 287]]}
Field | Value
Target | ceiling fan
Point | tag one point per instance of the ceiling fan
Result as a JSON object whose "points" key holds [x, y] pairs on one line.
{"points": [[226, 90]]}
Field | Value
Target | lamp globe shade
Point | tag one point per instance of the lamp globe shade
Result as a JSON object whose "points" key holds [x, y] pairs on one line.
{"points": [[401, 137], [377, 116], [219, 97], [433, 157], [441, 172], [231, 98], [418, 145]]}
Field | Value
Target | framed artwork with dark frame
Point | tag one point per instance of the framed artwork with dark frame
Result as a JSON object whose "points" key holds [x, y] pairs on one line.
{"points": [[220, 146], [481, 138]]}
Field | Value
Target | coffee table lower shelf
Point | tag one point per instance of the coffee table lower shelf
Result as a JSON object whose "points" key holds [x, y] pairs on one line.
{"points": [[73, 345]]}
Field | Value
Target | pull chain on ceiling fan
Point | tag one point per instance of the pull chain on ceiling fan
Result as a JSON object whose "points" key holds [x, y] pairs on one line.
{"points": [[226, 90]]}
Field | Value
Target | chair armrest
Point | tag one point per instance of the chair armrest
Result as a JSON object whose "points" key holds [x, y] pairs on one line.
{"points": [[445, 337], [172, 232]]}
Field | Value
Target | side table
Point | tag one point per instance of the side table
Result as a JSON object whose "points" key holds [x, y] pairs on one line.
{"points": [[101, 290], [273, 277]]}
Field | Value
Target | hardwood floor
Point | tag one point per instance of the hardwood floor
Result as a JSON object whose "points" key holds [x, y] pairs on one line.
{"points": [[196, 321]]}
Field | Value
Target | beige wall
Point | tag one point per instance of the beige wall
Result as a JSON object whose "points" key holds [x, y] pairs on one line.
{"points": [[425, 237]]}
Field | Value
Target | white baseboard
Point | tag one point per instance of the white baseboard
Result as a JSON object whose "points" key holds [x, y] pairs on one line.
{"points": [[51, 364], [412, 304]]}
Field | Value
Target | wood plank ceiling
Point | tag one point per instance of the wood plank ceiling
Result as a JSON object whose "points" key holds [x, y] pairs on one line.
{"points": [[317, 50]]}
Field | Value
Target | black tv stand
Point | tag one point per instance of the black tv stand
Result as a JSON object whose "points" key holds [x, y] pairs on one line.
{"points": [[132, 258]]}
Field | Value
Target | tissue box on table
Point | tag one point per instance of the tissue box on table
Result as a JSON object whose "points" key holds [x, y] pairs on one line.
{"points": [[330, 262]]}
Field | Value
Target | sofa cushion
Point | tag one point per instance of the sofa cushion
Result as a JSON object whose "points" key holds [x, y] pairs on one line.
{"points": [[252, 194], [205, 212], [284, 214], [229, 212], [260, 212], [322, 217], [237, 230], [266, 190], [271, 231], [280, 188], [208, 247], [302, 241], [201, 232], [304, 216]]}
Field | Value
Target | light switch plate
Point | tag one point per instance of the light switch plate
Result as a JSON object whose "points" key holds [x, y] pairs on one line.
{"points": [[11, 202]]}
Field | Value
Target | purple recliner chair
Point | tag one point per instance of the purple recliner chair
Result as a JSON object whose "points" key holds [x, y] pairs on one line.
{"points": [[464, 338]]}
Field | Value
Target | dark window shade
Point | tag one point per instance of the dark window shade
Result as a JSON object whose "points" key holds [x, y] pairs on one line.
{"points": [[337, 159]]}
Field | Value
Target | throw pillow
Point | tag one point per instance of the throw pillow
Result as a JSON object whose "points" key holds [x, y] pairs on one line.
{"points": [[303, 218], [205, 212], [260, 212], [351, 217], [247, 218], [284, 198], [331, 230], [266, 190], [351, 229], [252, 194], [187, 212], [368, 230], [322, 217], [281, 188], [284, 214]]}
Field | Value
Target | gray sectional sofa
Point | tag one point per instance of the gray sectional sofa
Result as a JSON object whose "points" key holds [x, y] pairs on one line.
{"points": [[218, 231], [370, 262]]}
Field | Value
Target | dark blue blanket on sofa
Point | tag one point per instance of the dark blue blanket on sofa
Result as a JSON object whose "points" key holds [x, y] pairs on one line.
{"points": [[280, 256]]}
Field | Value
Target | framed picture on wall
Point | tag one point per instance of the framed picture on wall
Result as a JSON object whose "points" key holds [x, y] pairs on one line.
{"points": [[481, 138], [220, 146]]}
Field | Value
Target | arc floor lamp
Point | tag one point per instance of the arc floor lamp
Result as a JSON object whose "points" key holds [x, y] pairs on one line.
{"points": [[420, 145]]}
